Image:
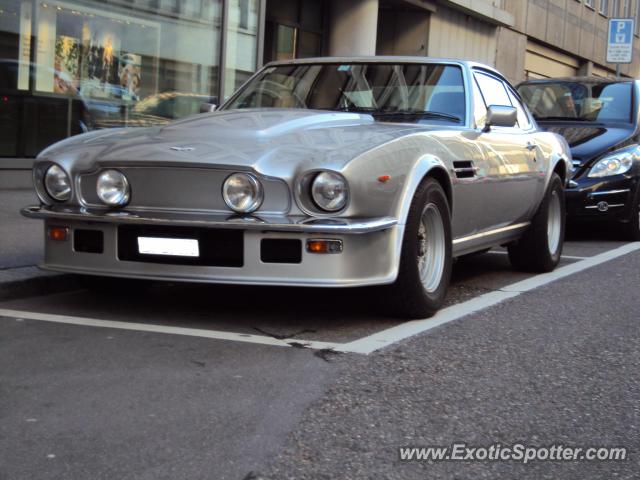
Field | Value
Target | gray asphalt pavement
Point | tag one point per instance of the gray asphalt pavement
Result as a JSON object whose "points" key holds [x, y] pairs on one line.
{"points": [[85, 403], [22, 240], [555, 365]]}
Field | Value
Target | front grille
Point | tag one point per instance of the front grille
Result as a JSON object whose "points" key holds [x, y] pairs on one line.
{"points": [[160, 188], [217, 247]]}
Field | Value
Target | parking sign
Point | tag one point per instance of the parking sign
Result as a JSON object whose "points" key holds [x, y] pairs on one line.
{"points": [[620, 40]]}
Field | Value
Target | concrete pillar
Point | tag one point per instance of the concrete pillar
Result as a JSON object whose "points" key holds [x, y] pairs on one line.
{"points": [[586, 69], [353, 27]]}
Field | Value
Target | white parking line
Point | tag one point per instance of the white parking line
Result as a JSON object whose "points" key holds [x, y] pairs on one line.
{"points": [[364, 345], [392, 335], [568, 257], [144, 327]]}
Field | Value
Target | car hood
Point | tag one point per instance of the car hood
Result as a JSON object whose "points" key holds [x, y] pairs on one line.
{"points": [[589, 141], [266, 140]]}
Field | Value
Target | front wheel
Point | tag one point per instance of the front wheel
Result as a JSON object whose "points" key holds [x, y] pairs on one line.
{"points": [[425, 260], [540, 247]]}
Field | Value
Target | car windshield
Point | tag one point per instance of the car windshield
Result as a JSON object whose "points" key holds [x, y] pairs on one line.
{"points": [[424, 93], [580, 101]]}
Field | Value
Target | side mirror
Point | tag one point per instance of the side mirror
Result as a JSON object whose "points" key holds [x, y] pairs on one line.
{"points": [[500, 116], [207, 107]]}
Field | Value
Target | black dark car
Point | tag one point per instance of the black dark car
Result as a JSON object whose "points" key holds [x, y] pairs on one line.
{"points": [[600, 120]]}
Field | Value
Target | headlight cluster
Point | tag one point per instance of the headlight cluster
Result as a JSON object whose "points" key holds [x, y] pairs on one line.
{"points": [[615, 163], [57, 183], [112, 186], [329, 192], [242, 192]]}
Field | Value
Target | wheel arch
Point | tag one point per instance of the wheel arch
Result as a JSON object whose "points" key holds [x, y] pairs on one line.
{"points": [[428, 166], [561, 169]]}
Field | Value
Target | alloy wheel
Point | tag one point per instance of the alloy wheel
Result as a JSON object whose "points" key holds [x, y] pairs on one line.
{"points": [[431, 248]]}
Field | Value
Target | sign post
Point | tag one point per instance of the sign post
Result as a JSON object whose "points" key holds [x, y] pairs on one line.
{"points": [[620, 42]]}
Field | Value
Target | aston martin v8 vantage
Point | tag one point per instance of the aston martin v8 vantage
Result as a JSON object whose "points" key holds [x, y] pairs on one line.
{"points": [[329, 172]]}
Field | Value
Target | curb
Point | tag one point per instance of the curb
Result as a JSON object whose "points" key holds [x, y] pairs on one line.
{"points": [[31, 281]]}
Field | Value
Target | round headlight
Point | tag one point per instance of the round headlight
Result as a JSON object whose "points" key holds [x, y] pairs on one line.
{"points": [[113, 188], [329, 191], [57, 183], [242, 192]]}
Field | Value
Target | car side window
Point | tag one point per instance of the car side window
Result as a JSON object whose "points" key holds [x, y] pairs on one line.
{"points": [[523, 118], [479, 107], [493, 90]]}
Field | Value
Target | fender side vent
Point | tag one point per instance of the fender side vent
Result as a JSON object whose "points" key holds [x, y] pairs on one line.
{"points": [[465, 169]]}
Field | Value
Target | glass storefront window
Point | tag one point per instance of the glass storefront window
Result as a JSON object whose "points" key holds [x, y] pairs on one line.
{"points": [[242, 40], [112, 63], [12, 64], [111, 58]]}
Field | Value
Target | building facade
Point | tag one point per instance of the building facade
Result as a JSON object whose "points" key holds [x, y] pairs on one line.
{"points": [[70, 66]]}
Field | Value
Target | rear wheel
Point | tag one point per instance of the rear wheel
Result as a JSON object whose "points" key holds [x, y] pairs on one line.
{"points": [[540, 247], [425, 261], [632, 229]]}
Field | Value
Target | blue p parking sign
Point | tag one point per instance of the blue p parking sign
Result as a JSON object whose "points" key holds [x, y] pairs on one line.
{"points": [[620, 40]]}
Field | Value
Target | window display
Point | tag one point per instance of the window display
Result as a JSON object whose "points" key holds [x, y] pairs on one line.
{"points": [[71, 66]]}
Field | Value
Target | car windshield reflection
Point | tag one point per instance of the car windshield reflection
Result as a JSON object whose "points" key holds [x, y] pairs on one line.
{"points": [[587, 101], [421, 93]]}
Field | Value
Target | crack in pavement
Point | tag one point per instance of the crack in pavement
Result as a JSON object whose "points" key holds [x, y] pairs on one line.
{"points": [[326, 354], [279, 336]]}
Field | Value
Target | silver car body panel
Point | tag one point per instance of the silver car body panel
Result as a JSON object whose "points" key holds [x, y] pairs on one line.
{"points": [[176, 172]]}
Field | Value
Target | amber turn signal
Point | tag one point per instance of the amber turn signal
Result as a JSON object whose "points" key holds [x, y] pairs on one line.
{"points": [[324, 246], [58, 234]]}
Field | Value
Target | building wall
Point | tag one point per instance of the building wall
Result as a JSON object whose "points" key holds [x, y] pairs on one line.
{"points": [[455, 34], [522, 38], [567, 28]]}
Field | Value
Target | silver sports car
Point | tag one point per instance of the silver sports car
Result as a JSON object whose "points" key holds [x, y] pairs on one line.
{"points": [[330, 172]]}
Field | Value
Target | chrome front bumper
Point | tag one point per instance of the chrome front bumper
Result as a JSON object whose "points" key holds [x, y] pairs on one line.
{"points": [[214, 220], [370, 253]]}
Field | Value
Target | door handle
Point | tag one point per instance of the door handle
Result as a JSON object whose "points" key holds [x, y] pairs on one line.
{"points": [[531, 146]]}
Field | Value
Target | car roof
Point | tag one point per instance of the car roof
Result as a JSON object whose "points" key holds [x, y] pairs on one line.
{"points": [[383, 59]]}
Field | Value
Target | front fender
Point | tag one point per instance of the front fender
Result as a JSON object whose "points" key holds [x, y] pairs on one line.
{"points": [[427, 165]]}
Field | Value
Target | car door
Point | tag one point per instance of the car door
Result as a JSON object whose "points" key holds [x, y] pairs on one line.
{"points": [[509, 158], [536, 158], [470, 171]]}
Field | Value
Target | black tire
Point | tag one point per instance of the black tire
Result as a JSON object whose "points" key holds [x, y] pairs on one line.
{"points": [[532, 252], [408, 297], [631, 229]]}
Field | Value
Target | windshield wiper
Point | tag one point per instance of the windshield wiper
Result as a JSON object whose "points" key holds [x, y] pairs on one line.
{"points": [[418, 113], [398, 113], [355, 109], [573, 119]]}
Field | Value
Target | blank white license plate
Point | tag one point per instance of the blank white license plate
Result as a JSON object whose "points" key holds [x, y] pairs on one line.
{"points": [[176, 247]]}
